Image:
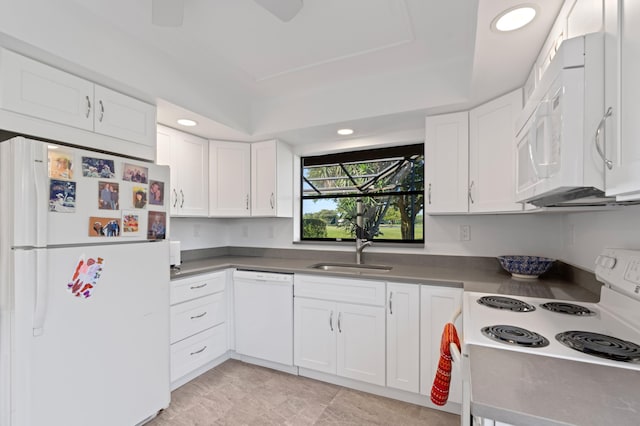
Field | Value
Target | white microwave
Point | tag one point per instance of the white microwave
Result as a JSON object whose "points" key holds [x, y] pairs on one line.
{"points": [[559, 129]]}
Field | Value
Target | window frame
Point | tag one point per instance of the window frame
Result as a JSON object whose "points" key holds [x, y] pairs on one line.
{"points": [[360, 156]]}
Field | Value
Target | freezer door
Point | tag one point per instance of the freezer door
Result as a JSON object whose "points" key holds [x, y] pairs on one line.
{"points": [[62, 195], [100, 355]]}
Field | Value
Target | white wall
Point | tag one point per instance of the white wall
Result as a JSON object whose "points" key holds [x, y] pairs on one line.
{"points": [[575, 238], [195, 233], [490, 235], [586, 234]]}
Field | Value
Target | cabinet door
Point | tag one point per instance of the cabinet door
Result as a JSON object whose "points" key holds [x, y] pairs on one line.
{"points": [[124, 117], [437, 306], [229, 179], [192, 174], [164, 157], [492, 154], [361, 343], [447, 163], [622, 26], [315, 325], [38, 90], [263, 178], [403, 336]]}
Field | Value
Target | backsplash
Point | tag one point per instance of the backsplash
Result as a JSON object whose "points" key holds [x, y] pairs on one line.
{"points": [[575, 238]]}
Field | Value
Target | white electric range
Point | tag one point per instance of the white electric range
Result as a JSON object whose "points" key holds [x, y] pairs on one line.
{"points": [[605, 333]]}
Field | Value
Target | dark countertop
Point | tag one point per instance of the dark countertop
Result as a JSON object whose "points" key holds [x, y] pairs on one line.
{"points": [[477, 279], [525, 389]]}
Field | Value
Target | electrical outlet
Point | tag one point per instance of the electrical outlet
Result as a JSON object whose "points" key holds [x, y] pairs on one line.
{"points": [[245, 231], [465, 233], [271, 231], [196, 230]]}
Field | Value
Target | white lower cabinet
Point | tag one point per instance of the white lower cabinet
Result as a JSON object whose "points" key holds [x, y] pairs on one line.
{"points": [[198, 322], [403, 336], [437, 307], [196, 351], [337, 337]]}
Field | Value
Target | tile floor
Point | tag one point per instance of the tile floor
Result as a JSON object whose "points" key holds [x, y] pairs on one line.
{"points": [[236, 393]]}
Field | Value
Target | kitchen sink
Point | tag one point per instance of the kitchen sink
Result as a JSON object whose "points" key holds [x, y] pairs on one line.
{"points": [[351, 267]]}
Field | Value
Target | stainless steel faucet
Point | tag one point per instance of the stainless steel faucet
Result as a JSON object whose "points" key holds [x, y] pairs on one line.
{"points": [[361, 243]]}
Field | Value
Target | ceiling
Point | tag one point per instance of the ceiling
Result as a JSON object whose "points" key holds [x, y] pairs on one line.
{"points": [[378, 66]]}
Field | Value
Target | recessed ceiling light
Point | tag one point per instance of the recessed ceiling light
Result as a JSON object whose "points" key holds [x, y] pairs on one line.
{"points": [[514, 18], [345, 132], [187, 122]]}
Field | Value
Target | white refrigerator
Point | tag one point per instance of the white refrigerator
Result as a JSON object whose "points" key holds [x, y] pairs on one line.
{"points": [[84, 287]]}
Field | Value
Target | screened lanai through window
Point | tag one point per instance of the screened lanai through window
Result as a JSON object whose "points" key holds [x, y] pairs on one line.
{"points": [[389, 182]]}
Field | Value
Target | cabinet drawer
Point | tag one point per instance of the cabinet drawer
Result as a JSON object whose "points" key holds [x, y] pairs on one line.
{"points": [[340, 289], [197, 350], [192, 317], [197, 286]]}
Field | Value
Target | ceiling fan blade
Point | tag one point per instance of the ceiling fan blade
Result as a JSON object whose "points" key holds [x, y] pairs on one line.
{"points": [[284, 10], [167, 13]]}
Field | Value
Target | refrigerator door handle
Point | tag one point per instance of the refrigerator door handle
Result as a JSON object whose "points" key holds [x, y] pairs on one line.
{"points": [[42, 197], [40, 309]]}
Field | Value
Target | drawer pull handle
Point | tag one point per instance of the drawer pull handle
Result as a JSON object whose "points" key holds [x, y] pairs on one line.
{"points": [[331, 320], [101, 111], [194, 287], [199, 351], [390, 303], [199, 316], [339, 320]]}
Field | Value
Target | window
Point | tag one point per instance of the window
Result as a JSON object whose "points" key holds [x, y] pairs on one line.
{"points": [[385, 185]]}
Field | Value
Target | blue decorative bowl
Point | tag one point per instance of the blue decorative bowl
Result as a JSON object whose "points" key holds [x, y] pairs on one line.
{"points": [[525, 266]]}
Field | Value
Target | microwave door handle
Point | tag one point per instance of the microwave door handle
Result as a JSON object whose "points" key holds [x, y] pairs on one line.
{"points": [[533, 161], [596, 138]]}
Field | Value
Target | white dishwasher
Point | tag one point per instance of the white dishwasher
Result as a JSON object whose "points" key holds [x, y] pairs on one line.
{"points": [[263, 310]]}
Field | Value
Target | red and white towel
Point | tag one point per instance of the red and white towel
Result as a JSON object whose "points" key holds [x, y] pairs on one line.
{"points": [[440, 388]]}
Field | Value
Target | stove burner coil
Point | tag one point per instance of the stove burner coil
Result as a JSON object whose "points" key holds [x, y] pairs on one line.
{"points": [[506, 303], [600, 345], [515, 336], [567, 308]]}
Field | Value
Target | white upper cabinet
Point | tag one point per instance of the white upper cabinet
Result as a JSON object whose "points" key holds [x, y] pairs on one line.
{"points": [[622, 129], [124, 117], [492, 154], [446, 157], [229, 179], [38, 90], [34, 89], [188, 158], [271, 179]]}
